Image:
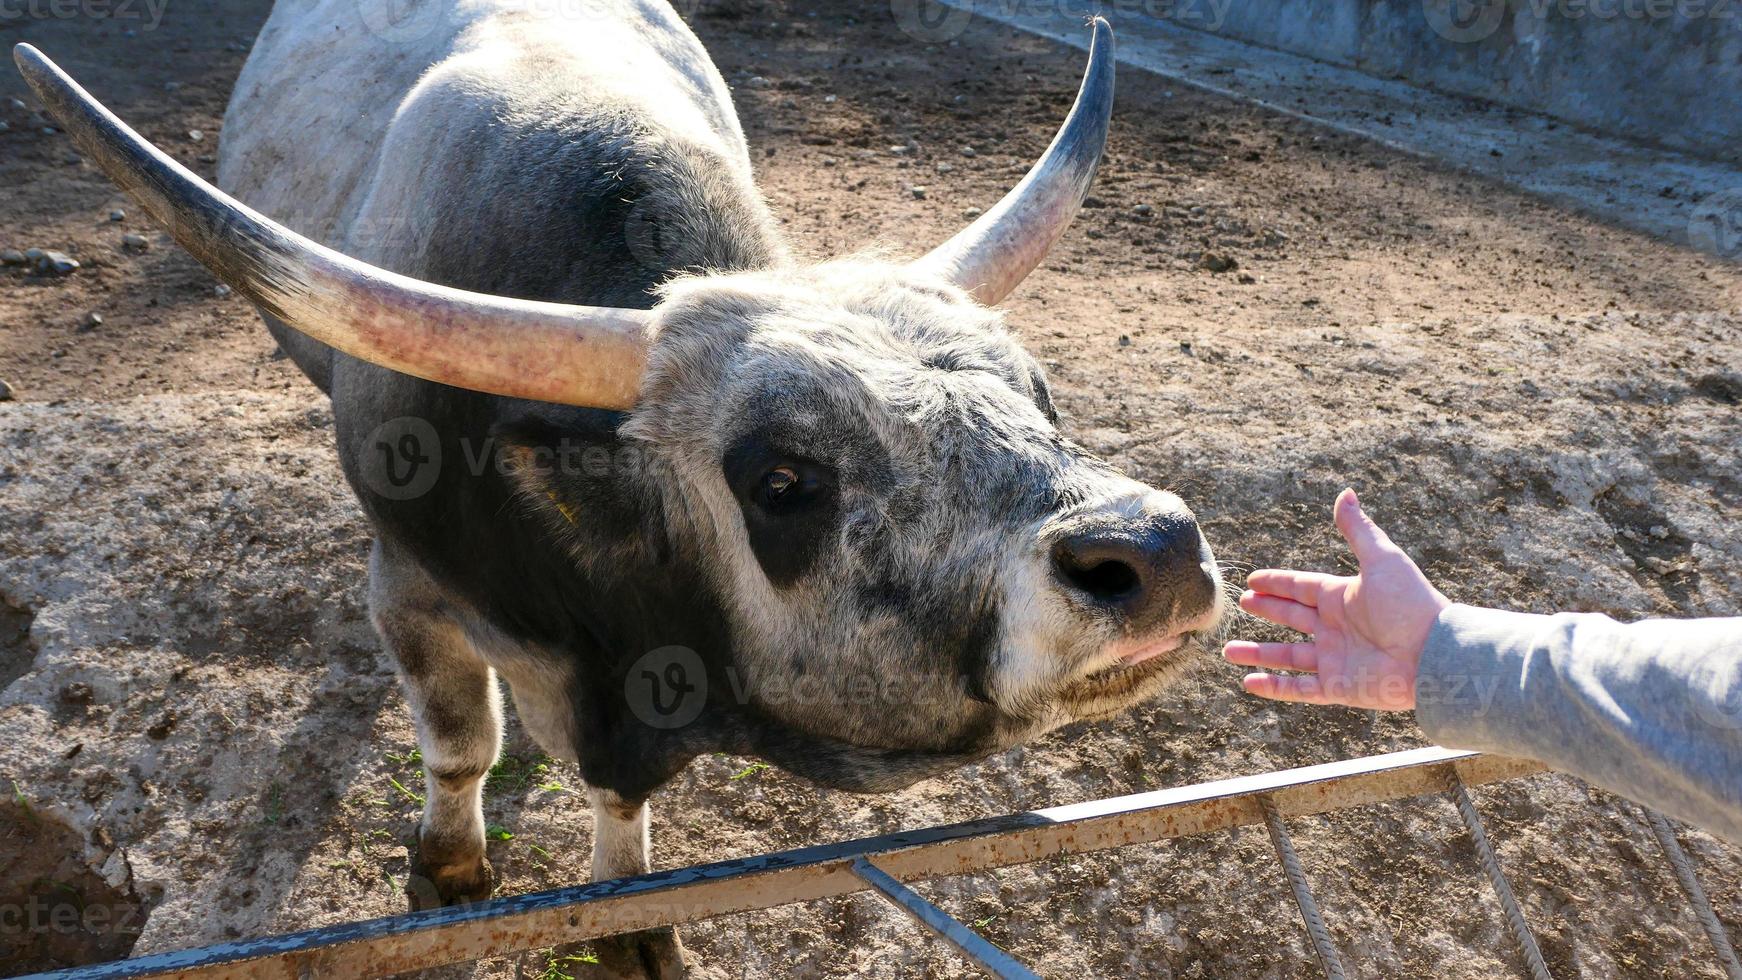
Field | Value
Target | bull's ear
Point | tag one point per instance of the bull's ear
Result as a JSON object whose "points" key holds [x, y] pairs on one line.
{"points": [[1042, 392], [995, 253], [554, 352], [575, 479]]}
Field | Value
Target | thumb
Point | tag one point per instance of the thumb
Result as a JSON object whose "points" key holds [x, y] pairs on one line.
{"points": [[1365, 537]]}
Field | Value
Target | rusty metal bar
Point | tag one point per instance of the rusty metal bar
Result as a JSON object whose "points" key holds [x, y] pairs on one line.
{"points": [[420, 940], [1329, 961], [1684, 873], [979, 950], [1503, 891]]}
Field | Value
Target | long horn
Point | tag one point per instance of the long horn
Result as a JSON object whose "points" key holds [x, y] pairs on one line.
{"points": [[991, 256], [553, 352]]}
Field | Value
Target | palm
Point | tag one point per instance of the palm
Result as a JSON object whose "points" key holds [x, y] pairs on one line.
{"points": [[1367, 630]]}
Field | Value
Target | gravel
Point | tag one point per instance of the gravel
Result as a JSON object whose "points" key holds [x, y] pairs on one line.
{"points": [[52, 263]]}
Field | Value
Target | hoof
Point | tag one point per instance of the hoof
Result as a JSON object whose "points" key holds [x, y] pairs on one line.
{"points": [[433, 885], [653, 954]]}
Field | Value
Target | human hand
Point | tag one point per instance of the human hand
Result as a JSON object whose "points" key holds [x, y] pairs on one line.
{"points": [[1367, 631]]}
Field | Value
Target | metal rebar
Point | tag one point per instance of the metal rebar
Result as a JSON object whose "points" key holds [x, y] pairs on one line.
{"points": [[1329, 961], [1503, 891], [1684, 873], [977, 948]]}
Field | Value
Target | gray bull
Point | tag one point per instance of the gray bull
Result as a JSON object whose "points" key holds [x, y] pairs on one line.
{"points": [[816, 513]]}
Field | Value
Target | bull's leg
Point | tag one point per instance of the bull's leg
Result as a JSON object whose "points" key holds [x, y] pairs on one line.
{"points": [[620, 848], [459, 728]]}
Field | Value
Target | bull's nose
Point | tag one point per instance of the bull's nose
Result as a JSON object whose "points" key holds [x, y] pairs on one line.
{"points": [[1148, 571]]}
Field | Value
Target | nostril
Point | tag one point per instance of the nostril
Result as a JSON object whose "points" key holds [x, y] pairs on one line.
{"points": [[1107, 580], [1104, 579]]}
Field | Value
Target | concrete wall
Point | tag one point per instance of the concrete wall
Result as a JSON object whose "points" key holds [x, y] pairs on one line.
{"points": [[1664, 71]]}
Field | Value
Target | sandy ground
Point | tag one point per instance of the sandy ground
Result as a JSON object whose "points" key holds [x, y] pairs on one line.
{"points": [[200, 737]]}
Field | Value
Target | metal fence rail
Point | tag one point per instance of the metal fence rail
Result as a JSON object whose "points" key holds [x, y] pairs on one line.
{"points": [[509, 925]]}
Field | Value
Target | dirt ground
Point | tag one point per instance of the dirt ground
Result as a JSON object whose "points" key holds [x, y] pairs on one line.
{"points": [[1543, 408]]}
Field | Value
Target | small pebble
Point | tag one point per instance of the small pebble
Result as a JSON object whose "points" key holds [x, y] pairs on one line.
{"points": [[135, 240], [11, 256], [31, 255], [1143, 210], [971, 213], [901, 150], [196, 135], [7, 392], [220, 290], [5, 126], [969, 151], [18, 104], [1124, 340], [917, 191], [757, 81], [49, 130], [93, 320], [117, 215], [171, 86], [944, 168], [55, 263], [828, 98], [73, 158]]}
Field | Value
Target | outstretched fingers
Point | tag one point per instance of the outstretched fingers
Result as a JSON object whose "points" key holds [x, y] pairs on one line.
{"points": [[1272, 656], [1283, 612], [1303, 587]]}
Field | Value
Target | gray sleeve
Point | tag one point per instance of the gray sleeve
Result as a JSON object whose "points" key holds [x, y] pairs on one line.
{"points": [[1651, 710]]}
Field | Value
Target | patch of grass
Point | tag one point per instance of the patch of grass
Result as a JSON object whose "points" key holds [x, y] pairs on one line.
{"points": [[274, 808], [497, 832], [23, 803], [412, 758], [749, 770], [986, 921], [561, 967], [514, 774], [408, 794]]}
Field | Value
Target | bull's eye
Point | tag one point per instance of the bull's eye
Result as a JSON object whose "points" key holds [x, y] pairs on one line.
{"points": [[777, 485], [790, 504]]}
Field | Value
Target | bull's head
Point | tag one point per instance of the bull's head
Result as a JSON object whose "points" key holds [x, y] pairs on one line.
{"points": [[858, 457]]}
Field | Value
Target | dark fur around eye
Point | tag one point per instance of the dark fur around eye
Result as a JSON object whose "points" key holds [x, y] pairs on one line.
{"points": [[789, 503]]}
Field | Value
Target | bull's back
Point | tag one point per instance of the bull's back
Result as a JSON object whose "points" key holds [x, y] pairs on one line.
{"points": [[363, 123], [317, 100]]}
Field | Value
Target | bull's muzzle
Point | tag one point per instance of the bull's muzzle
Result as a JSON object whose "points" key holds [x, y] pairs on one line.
{"points": [[1151, 573]]}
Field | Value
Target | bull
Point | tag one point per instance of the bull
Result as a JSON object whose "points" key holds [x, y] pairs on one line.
{"points": [[718, 500]]}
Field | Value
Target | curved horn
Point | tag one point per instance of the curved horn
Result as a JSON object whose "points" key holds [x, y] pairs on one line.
{"points": [[989, 257], [553, 352]]}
